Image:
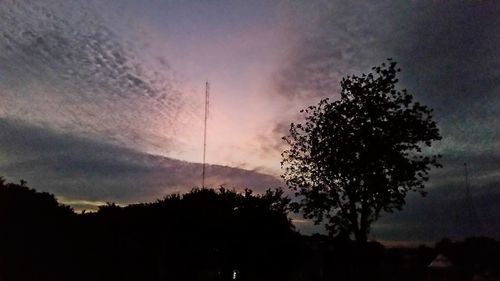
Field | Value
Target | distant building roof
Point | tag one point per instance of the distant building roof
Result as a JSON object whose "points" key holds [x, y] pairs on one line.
{"points": [[440, 261]]}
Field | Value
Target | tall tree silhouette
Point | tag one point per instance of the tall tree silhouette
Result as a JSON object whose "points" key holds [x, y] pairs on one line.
{"points": [[357, 156]]}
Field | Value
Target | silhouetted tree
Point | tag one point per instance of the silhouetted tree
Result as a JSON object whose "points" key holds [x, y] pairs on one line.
{"points": [[204, 231], [34, 232], [357, 156], [204, 234], [201, 234]]}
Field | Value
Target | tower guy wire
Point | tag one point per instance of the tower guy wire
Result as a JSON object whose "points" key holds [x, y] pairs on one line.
{"points": [[207, 100], [474, 221]]}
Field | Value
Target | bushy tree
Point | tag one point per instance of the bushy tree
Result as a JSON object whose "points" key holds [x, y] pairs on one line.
{"points": [[359, 155]]}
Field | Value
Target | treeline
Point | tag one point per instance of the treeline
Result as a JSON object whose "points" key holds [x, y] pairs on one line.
{"points": [[204, 234]]}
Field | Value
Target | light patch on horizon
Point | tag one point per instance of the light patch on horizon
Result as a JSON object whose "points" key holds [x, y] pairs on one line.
{"points": [[80, 206]]}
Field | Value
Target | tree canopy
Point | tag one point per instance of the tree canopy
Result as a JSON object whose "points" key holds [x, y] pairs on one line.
{"points": [[359, 155], [203, 234]]}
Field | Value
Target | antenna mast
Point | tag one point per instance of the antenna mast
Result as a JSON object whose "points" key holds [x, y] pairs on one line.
{"points": [[207, 98]]}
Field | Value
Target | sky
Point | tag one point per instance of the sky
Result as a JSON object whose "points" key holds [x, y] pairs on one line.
{"points": [[102, 101]]}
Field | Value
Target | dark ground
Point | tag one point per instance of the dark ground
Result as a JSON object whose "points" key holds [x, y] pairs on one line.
{"points": [[205, 235]]}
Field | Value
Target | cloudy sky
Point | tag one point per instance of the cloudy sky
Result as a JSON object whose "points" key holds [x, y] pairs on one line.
{"points": [[103, 100]]}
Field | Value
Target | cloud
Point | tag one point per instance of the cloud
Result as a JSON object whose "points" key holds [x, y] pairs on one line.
{"points": [[440, 45], [447, 51], [334, 39], [328, 40], [64, 67], [82, 170], [445, 212]]}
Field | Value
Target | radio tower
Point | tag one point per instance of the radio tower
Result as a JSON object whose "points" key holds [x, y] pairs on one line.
{"points": [[207, 98]]}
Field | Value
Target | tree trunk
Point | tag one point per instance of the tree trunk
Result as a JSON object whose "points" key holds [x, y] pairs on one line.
{"points": [[363, 224], [359, 230], [361, 235]]}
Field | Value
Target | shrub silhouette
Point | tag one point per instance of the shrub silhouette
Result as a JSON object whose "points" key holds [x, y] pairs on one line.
{"points": [[204, 234], [33, 226], [201, 235]]}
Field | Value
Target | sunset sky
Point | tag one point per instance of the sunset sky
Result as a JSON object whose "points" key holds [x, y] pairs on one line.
{"points": [[103, 101]]}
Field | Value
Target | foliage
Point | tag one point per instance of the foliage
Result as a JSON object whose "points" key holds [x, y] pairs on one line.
{"points": [[204, 234], [357, 156], [198, 235], [28, 204]]}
